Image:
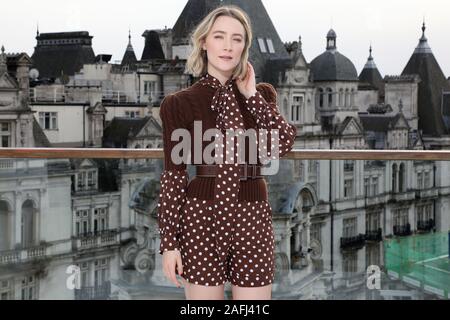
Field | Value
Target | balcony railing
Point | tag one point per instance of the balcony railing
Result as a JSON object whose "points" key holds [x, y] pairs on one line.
{"points": [[101, 292], [401, 231], [22, 255], [96, 239], [374, 235], [426, 225], [356, 242]]}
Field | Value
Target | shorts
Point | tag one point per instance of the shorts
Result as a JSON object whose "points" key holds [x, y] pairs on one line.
{"points": [[250, 261]]}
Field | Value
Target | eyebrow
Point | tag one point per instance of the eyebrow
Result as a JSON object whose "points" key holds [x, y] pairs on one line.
{"points": [[235, 34]]}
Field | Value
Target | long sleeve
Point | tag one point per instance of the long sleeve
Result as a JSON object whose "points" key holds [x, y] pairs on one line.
{"points": [[174, 178], [268, 117]]}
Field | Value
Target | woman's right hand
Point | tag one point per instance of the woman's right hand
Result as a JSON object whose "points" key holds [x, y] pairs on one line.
{"points": [[171, 262]]}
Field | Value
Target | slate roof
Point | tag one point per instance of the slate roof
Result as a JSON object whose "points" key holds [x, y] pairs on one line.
{"points": [[431, 88], [262, 27], [371, 75], [40, 139], [152, 48], [129, 58], [53, 59], [121, 129], [333, 66]]}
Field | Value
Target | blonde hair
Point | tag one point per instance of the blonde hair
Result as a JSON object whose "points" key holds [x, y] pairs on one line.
{"points": [[197, 62]]}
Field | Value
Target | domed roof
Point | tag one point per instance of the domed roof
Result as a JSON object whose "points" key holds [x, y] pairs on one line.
{"points": [[331, 65]]}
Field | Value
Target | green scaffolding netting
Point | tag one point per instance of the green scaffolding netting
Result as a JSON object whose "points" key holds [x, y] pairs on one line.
{"points": [[422, 258]]}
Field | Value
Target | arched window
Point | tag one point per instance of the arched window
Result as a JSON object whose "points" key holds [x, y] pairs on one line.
{"points": [[347, 98], [28, 224], [5, 237], [394, 177], [330, 97], [320, 97], [341, 98], [352, 98], [401, 178]]}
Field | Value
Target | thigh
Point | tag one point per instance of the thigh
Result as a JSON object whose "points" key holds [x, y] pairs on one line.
{"points": [[199, 292], [255, 293], [252, 260]]}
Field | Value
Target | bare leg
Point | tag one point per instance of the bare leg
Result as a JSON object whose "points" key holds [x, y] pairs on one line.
{"points": [[198, 292], [256, 293]]}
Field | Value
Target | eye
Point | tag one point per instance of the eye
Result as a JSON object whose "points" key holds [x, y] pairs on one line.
{"points": [[218, 37], [238, 40]]}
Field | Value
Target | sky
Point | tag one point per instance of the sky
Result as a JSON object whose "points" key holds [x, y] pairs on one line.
{"points": [[393, 27]]}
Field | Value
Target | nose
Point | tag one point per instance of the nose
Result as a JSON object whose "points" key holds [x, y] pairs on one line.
{"points": [[228, 44]]}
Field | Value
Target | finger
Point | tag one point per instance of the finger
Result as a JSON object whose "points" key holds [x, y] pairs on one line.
{"points": [[180, 266], [173, 277]]}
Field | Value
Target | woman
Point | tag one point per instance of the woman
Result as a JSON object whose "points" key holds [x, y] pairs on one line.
{"points": [[218, 227]]}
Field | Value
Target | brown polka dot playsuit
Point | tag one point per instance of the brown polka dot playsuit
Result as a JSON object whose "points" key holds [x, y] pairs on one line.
{"points": [[225, 238]]}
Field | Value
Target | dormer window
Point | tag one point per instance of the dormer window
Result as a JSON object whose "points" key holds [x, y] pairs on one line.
{"points": [[270, 45], [262, 45], [86, 180]]}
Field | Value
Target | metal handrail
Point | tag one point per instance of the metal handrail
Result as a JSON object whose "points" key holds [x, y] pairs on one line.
{"points": [[157, 153]]}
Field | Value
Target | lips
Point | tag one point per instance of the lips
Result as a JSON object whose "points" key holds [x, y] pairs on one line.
{"points": [[225, 58]]}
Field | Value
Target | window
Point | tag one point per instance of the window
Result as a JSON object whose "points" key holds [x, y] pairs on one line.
{"points": [[349, 227], [394, 177], [425, 212], [132, 114], [348, 165], [374, 186], [350, 263], [101, 273], [297, 111], [86, 180], [373, 220], [427, 182], [6, 290], [262, 45], [29, 288], [320, 97], [330, 97], [5, 134], [149, 87], [419, 180], [100, 219], [270, 45], [367, 186], [82, 222], [48, 120], [315, 232], [348, 188], [400, 217], [401, 178]]}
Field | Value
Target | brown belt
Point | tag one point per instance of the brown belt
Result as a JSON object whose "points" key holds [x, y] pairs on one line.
{"points": [[248, 171]]}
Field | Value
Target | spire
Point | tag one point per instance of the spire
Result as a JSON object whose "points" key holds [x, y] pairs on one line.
{"points": [[3, 66], [423, 46], [37, 29], [370, 64], [129, 58], [130, 46], [331, 40], [299, 46]]}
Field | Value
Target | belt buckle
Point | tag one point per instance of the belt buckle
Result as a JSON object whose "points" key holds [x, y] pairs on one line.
{"points": [[253, 171]]}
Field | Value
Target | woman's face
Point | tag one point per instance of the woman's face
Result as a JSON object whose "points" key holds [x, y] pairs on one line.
{"points": [[224, 45]]}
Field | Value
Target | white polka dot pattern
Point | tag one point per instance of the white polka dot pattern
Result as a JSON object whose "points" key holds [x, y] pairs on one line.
{"points": [[171, 197], [268, 117], [227, 181], [250, 261]]}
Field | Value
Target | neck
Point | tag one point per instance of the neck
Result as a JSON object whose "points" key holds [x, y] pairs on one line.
{"points": [[222, 77]]}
